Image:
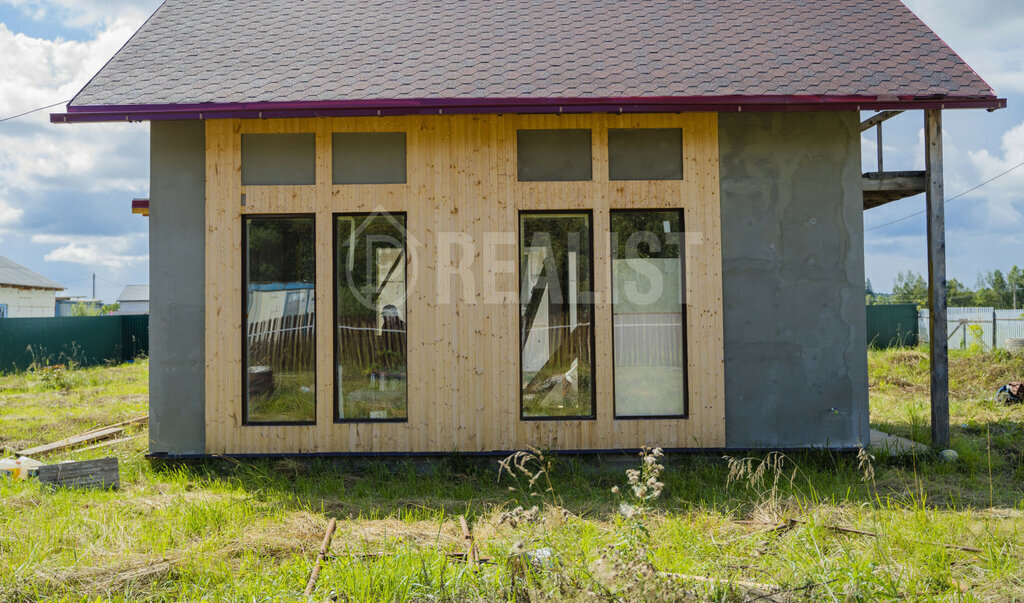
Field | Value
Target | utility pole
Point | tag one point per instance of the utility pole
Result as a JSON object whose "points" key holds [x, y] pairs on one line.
{"points": [[94, 285]]}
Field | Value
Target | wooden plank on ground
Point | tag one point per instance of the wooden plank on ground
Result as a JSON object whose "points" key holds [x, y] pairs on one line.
{"points": [[77, 440], [109, 443], [129, 422], [99, 473]]}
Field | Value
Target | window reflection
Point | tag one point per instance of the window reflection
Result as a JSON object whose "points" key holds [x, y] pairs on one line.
{"points": [[371, 340], [555, 315], [648, 309], [280, 320]]}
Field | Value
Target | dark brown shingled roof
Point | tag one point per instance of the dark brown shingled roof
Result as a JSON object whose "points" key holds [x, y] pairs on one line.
{"points": [[193, 52]]}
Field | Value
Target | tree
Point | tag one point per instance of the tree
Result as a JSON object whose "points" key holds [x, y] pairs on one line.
{"points": [[85, 309], [957, 294], [910, 287], [1015, 278], [993, 291]]}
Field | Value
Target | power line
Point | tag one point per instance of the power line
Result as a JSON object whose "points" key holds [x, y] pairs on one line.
{"points": [[970, 190], [33, 111]]}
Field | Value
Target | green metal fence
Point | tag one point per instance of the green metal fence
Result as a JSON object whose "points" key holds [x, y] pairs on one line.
{"points": [[82, 340], [892, 325]]}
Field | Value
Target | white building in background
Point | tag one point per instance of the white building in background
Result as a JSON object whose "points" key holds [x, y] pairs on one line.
{"points": [[134, 300], [24, 293]]}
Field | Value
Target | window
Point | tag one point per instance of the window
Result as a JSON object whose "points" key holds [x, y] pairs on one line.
{"points": [[554, 155], [645, 154], [278, 159], [368, 157], [648, 313], [555, 303], [3, 310], [279, 337], [370, 332]]}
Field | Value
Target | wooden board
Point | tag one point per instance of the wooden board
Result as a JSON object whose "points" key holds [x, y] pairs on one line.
{"points": [[463, 368], [99, 473], [77, 440]]}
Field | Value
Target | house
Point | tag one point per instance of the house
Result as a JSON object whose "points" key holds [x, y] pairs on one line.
{"points": [[134, 299], [77, 306], [24, 293], [400, 228]]}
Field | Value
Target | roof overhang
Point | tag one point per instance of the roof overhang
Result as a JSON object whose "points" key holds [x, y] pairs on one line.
{"points": [[435, 106]]}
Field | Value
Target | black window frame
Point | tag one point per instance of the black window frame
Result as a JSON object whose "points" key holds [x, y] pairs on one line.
{"points": [[593, 314], [685, 318], [335, 395], [246, 422]]}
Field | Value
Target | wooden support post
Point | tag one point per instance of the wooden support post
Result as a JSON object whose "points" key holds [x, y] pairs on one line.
{"points": [[880, 167], [938, 344]]}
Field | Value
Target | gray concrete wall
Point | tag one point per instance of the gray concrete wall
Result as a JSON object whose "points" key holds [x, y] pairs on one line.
{"points": [[793, 261], [177, 225]]}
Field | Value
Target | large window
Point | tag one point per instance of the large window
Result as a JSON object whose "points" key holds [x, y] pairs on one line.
{"points": [[648, 308], [370, 304], [556, 332], [280, 320]]}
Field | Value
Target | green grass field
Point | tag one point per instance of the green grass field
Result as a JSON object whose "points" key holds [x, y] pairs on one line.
{"points": [[228, 530]]}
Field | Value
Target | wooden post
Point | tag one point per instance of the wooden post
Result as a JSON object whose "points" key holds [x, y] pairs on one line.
{"points": [[938, 345], [880, 167]]}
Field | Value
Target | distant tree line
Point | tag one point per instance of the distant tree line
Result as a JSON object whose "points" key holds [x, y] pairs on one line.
{"points": [[993, 290]]}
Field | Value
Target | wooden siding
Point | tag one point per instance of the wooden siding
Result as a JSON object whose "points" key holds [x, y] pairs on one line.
{"points": [[463, 367]]}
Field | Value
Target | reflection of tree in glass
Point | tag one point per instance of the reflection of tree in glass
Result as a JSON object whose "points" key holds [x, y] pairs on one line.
{"points": [[642, 234], [281, 250]]}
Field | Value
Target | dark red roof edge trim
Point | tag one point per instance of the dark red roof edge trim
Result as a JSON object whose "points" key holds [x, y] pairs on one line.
{"points": [[726, 104]]}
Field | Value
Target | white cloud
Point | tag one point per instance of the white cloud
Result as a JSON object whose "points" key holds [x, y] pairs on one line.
{"points": [[38, 158], [9, 216], [1004, 197], [112, 252]]}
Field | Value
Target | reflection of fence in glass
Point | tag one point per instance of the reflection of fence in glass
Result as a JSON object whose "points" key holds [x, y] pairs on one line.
{"points": [[283, 344], [648, 339]]}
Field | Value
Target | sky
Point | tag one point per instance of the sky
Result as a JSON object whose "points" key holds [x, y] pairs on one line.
{"points": [[65, 191]]}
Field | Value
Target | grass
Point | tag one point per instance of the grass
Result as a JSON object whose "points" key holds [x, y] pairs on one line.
{"points": [[226, 530]]}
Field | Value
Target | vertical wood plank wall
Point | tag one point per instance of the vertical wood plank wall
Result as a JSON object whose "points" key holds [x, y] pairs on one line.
{"points": [[463, 364]]}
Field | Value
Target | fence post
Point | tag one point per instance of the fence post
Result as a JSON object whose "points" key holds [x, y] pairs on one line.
{"points": [[995, 325]]}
